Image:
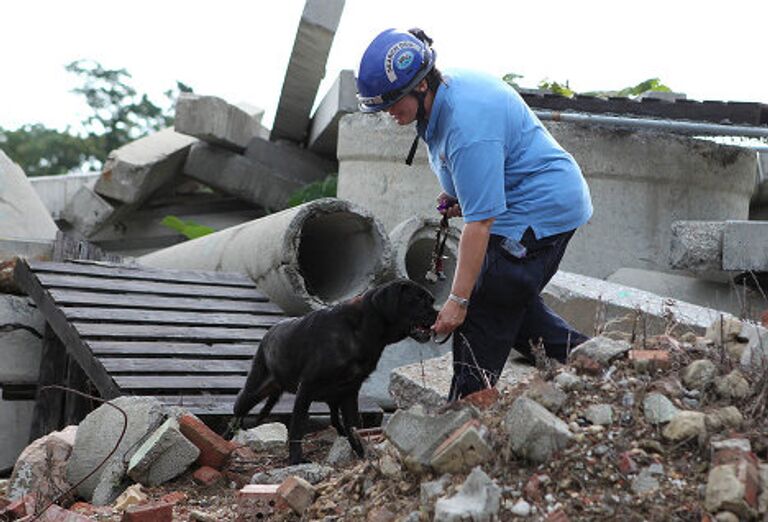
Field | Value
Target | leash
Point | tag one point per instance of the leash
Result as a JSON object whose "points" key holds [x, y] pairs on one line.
{"points": [[436, 270]]}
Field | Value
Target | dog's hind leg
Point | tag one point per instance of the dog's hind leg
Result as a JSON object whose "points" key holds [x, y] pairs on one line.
{"points": [[271, 401], [335, 422], [351, 417], [298, 421]]}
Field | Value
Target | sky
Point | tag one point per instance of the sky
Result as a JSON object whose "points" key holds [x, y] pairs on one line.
{"points": [[239, 50]]}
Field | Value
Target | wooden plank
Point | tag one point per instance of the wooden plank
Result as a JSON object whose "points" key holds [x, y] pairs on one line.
{"points": [[154, 383], [76, 407], [177, 365], [65, 331], [49, 404], [166, 349], [135, 315], [74, 297], [135, 272], [188, 333], [104, 284]]}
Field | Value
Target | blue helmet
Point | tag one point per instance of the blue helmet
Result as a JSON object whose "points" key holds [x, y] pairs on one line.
{"points": [[392, 66]]}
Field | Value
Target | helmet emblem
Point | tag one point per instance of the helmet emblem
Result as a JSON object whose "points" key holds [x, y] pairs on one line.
{"points": [[404, 60], [391, 56]]}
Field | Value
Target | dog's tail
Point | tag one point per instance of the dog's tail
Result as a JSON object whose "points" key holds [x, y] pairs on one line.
{"points": [[258, 387]]}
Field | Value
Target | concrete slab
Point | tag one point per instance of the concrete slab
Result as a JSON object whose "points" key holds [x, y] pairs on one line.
{"points": [[239, 176], [56, 191], [745, 246], [306, 68], [22, 214], [340, 99], [134, 171], [15, 422], [290, 160], [21, 340], [87, 211], [215, 121], [165, 455], [10, 250]]}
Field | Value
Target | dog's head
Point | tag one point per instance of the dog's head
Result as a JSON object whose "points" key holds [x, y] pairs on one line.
{"points": [[407, 308]]}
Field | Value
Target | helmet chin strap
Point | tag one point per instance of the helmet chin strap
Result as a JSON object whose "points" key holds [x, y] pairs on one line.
{"points": [[421, 125]]}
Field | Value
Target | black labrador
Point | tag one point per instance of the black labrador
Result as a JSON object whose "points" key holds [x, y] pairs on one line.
{"points": [[327, 354]]}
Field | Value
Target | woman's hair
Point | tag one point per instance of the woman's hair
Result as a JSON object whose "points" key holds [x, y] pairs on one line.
{"points": [[434, 76]]}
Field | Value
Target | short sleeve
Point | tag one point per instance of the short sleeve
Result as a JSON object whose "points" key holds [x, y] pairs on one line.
{"points": [[478, 176]]}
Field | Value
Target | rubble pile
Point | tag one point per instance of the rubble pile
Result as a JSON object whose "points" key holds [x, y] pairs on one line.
{"points": [[663, 428]]}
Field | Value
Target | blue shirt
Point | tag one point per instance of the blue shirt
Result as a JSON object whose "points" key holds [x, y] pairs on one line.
{"points": [[491, 152]]}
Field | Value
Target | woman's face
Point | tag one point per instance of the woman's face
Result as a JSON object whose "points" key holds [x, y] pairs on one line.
{"points": [[404, 110]]}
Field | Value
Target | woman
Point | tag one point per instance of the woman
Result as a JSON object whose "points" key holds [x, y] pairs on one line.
{"points": [[521, 195]]}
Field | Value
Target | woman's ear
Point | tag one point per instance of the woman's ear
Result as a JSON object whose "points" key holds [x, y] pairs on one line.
{"points": [[423, 86]]}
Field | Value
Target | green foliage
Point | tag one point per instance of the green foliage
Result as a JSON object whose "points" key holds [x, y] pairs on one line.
{"points": [[43, 152], [325, 188], [511, 78], [649, 85], [557, 88], [189, 229]]}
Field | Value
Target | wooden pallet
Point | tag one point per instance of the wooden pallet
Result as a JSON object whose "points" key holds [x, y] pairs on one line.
{"points": [[185, 337]]}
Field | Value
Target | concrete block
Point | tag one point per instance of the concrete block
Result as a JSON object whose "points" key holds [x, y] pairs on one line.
{"points": [[289, 160], [22, 213], [15, 421], [21, 339], [479, 498], [535, 433], [136, 170], [215, 121], [41, 468], [602, 349], [214, 450], [11, 250], [464, 449], [340, 99], [265, 437], [56, 191], [96, 437], [427, 382], [238, 176], [306, 68], [297, 493], [87, 211], [312, 473], [165, 455], [745, 246], [697, 247]]}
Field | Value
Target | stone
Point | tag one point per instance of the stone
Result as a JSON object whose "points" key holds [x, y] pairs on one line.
{"points": [[265, 437], [96, 437], [534, 432], [341, 453], [645, 483], [602, 349], [733, 487], [135, 171], [724, 418], [24, 215], [312, 473], [417, 434], [521, 508], [546, 394], [600, 414], [132, 496], [658, 409], [165, 455], [87, 211], [686, 425], [239, 176], [569, 381], [214, 450], [340, 99], [739, 444], [427, 383], [431, 490], [297, 493], [733, 386], [213, 120], [464, 449], [306, 68], [42, 466], [699, 374], [152, 512], [478, 499]]}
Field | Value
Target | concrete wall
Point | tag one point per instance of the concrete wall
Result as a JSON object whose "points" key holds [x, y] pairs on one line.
{"points": [[15, 423], [640, 181], [56, 191]]}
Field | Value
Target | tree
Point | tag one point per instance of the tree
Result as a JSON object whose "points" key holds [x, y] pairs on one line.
{"points": [[119, 115]]}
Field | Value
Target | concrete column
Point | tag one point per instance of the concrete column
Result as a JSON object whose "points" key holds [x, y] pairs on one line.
{"points": [[640, 182], [340, 99], [215, 121], [22, 214], [303, 258], [306, 68]]}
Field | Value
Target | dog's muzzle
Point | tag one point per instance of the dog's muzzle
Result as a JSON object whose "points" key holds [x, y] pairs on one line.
{"points": [[420, 333]]}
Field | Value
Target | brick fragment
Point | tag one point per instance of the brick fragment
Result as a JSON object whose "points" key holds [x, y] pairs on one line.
{"points": [[152, 512], [483, 399], [586, 365], [626, 464], [207, 476], [214, 450], [533, 488], [650, 360], [297, 493], [257, 502], [557, 516], [56, 513], [174, 497]]}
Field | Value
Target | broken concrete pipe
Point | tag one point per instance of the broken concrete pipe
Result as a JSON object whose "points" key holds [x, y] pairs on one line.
{"points": [[304, 258], [413, 245]]}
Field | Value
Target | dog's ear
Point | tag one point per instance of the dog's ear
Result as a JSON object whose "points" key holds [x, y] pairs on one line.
{"points": [[386, 301]]}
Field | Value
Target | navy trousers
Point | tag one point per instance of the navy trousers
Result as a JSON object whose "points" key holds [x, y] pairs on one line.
{"points": [[506, 311]]}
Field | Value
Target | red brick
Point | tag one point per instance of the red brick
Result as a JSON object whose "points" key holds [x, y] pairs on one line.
{"points": [[746, 470], [207, 476], [656, 359], [483, 399], [626, 464], [153, 512], [214, 450], [733, 456], [557, 516], [764, 318], [56, 513], [583, 364], [18, 508], [533, 488], [297, 493], [258, 501], [174, 497]]}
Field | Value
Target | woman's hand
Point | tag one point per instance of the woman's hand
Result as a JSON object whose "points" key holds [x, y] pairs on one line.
{"points": [[448, 205], [451, 316]]}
